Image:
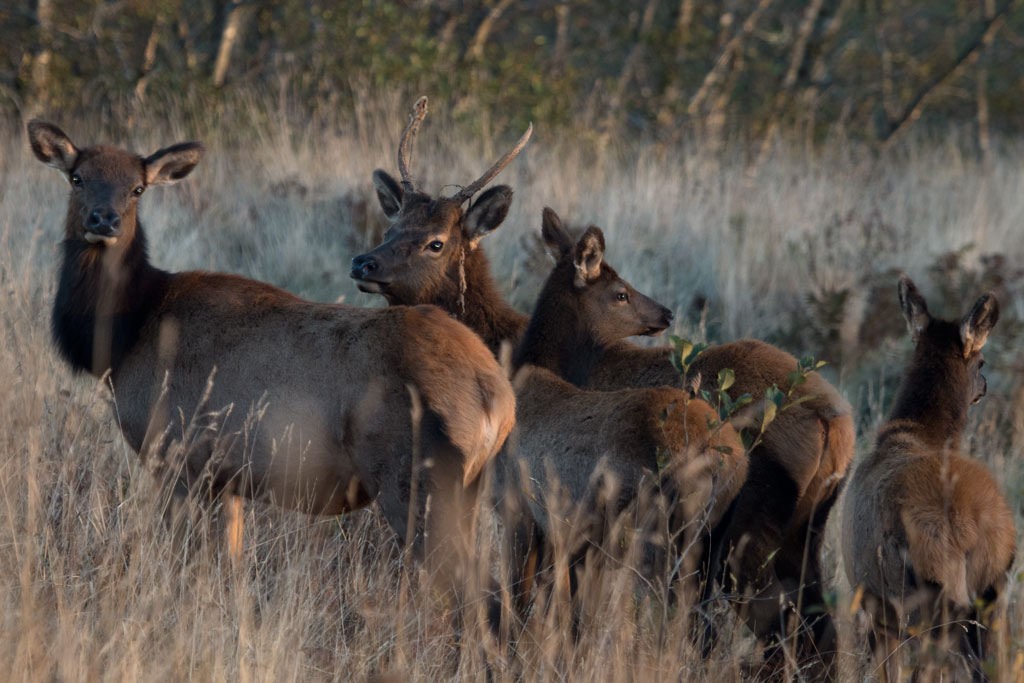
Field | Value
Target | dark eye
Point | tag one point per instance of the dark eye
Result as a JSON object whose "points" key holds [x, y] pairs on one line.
{"points": [[76, 180], [981, 363], [436, 246], [622, 296], [138, 191]]}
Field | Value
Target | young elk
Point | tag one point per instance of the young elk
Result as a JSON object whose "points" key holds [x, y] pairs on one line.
{"points": [[607, 451], [335, 387], [432, 254], [926, 532]]}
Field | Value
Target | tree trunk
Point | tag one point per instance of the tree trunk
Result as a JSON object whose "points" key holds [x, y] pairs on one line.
{"points": [[228, 37]]}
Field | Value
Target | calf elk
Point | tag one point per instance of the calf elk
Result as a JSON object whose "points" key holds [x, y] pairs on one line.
{"points": [[431, 253], [341, 381], [605, 451], [926, 532]]}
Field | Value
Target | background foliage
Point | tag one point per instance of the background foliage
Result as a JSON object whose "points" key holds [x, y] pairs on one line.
{"points": [[723, 68]]}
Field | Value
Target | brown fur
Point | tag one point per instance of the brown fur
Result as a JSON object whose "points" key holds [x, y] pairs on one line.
{"points": [[925, 528], [811, 443], [596, 449], [332, 385]]}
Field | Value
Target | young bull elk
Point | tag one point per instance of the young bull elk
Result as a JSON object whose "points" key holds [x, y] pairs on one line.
{"points": [[432, 254], [926, 532], [607, 451], [339, 383]]}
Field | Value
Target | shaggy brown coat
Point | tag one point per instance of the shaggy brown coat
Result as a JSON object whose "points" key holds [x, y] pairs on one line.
{"points": [[307, 405], [925, 527], [432, 254]]}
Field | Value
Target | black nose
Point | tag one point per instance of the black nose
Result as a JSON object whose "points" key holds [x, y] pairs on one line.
{"points": [[666, 316], [362, 266], [103, 222]]}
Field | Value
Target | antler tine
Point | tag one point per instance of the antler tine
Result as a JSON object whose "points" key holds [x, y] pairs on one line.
{"points": [[474, 187], [419, 112]]}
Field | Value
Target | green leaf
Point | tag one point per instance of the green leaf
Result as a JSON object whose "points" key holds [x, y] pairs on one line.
{"points": [[726, 378], [770, 409]]}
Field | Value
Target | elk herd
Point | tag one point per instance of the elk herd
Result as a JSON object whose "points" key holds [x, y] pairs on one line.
{"points": [[326, 408]]}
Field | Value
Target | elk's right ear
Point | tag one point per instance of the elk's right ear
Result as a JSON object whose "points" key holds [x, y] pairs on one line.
{"points": [[556, 237], [588, 257], [171, 164], [978, 322], [487, 212], [51, 145], [915, 310], [389, 193]]}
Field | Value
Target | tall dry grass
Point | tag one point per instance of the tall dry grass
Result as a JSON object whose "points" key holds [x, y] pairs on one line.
{"points": [[93, 587]]}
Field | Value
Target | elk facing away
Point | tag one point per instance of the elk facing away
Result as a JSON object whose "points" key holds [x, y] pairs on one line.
{"points": [[605, 452], [926, 532], [432, 254], [335, 387]]}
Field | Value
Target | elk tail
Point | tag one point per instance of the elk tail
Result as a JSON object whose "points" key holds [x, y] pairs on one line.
{"points": [[462, 383]]}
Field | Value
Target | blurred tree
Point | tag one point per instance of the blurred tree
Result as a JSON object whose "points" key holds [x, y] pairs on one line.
{"points": [[748, 69]]}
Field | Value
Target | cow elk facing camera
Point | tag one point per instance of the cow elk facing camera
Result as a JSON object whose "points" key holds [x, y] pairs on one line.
{"points": [[345, 397]]}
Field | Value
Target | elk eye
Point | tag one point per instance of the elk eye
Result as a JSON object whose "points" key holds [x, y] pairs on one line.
{"points": [[981, 364], [622, 296], [436, 246], [76, 180], [138, 191]]}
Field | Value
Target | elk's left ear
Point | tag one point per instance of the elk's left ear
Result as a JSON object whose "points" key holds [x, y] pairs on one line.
{"points": [[588, 256], [915, 310], [487, 212], [976, 325], [171, 164], [556, 238], [51, 145]]}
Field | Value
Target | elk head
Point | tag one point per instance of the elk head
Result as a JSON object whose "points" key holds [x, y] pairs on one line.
{"points": [[422, 258], [609, 306], [106, 182], [950, 351]]}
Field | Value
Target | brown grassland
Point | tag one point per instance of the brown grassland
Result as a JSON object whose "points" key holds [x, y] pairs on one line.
{"points": [[800, 248]]}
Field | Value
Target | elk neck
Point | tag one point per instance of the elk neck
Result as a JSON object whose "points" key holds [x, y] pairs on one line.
{"points": [[557, 337], [480, 306], [933, 398], [104, 298]]}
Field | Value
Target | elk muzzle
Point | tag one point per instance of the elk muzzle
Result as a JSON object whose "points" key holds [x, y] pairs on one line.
{"points": [[363, 268], [102, 225]]}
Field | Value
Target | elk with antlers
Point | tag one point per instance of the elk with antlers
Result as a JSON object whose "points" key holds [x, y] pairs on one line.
{"points": [[431, 253], [927, 534], [343, 397]]}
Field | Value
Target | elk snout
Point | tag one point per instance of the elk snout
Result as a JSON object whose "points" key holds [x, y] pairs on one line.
{"points": [[363, 267], [665, 319], [102, 225]]}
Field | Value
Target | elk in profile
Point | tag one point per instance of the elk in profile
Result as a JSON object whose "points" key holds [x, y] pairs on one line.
{"points": [[606, 451], [343, 382], [926, 532], [432, 253]]}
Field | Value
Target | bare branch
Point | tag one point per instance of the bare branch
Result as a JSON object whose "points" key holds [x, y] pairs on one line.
{"points": [[968, 55]]}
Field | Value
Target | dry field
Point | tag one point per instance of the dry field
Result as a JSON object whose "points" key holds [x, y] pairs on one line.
{"points": [[799, 248]]}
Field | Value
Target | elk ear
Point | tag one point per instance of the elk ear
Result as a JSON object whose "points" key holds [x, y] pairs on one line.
{"points": [[51, 145], [487, 212], [556, 238], [588, 256], [389, 193], [915, 310], [692, 385], [976, 325], [171, 164]]}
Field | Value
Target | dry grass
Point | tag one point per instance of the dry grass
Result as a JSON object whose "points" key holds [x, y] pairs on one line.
{"points": [[93, 588]]}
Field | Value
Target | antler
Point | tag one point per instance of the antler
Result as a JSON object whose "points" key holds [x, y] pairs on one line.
{"points": [[419, 112], [474, 187]]}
